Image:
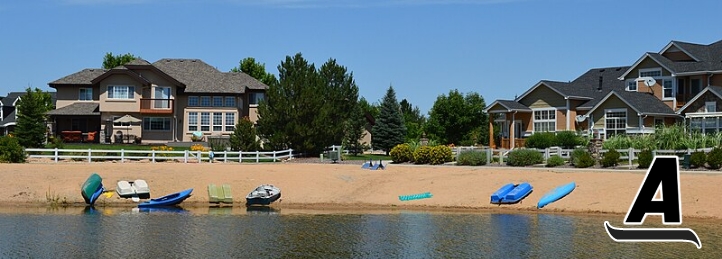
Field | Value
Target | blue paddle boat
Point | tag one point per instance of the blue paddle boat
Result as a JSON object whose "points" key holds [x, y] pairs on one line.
{"points": [[501, 193], [168, 200], [556, 194], [519, 192]]}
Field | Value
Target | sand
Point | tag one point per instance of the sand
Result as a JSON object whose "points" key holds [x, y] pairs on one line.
{"points": [[339, 186]]}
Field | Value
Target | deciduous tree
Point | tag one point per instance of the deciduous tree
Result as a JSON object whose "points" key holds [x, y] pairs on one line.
{"points": [[256, 70], [458, 119], [111, 61], [413, 120]]}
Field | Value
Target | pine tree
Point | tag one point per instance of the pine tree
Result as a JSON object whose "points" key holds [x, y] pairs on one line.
{"points": [[31, 127], [354, 128], [389, 129], [244, 136]]}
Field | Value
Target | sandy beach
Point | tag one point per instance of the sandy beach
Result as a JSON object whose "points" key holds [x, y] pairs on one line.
{"points": [[339, 186]]}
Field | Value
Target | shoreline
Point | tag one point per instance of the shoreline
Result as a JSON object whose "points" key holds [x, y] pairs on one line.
{"points": [[348, 187]]}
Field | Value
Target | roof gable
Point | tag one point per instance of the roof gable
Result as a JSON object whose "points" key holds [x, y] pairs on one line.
{"points": [[509, 105], [674, 47], [716, 90], [641, 103], [82, 77]]}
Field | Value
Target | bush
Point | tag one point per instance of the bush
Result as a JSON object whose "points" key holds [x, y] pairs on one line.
{"points": [[714, 158], [440, 154], [56, 143], [555, 161], [524, 157], [576, 153], [697, 159], [568, 139], [472, 158], [645, 158], [11, 151], [584, 160], [401, 153], [541, 140], [422, 155], [610, 159]]}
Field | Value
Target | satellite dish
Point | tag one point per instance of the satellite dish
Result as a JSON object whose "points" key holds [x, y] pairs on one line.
{"points": [[581, 118], [648, 81]]}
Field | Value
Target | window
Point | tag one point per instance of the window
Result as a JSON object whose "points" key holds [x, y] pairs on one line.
{"points": [[85, 94], [122, 124], [154, 123], [632, 86], [230, 101], [205, 121], [615, 122], [680, 86], [696, 86], [121, 92], [708, 125], [205, 101], [192, 121], [545, 120], [710, 106], [192, 100], [217, 101], [650, 72], [217, 121], [255, 98], [230, 121], [667, 89]]}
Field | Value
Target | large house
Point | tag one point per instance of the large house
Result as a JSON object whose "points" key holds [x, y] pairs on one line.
{"points": [[683, 81], [8, 111], [165, 101]]}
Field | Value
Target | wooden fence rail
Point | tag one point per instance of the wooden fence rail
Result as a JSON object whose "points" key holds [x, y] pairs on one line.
{"points": [[186, 156]]}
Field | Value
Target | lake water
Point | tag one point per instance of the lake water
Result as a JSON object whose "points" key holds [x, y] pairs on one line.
{"points": [[234, 232]]}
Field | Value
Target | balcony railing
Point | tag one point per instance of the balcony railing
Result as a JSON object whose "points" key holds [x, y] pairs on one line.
{"points": [[156, 106]]}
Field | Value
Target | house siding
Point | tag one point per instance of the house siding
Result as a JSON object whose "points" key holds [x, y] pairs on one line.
{"points": [[112, 105], [614, 103], [677, 56], [186, 133], [543, 97], [699, 104], [67, 95]]}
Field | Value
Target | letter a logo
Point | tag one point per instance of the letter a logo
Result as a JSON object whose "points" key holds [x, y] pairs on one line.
{"points": [[662, 177]]}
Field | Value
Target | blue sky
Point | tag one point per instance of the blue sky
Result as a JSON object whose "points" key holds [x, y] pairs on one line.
{"points": [[423, 48]]}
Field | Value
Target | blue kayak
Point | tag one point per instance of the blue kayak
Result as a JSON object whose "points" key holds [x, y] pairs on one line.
{"points": [[556, 194], [501, 193], [168, 200], [519, 192]]}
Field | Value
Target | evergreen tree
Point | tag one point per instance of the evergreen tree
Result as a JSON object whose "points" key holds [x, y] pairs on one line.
{"points": [[458, 119], [340, 100], [355, 131], [244, 136], [31, 128], [111, 61], [389, 129]]}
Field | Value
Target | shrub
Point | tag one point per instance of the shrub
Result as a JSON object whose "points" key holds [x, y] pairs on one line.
{"points": [[422, 155], [540, 140], [610, 158], [584, 160], [472, 158], [568, 139], [576, 153], [440, 154], [645, 158], [714, 158], [524, 157], [401, 153], [56, 143], [555, 161], [697, 159], [11, 151]]}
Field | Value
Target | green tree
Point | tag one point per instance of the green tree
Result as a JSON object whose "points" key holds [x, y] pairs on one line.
{"points": [[256, 70], [111, 61], [413, 120], [340, 95], [458, 119], [31, 128], [371, 109], [244, 137], [389, 129], [355, 130]]}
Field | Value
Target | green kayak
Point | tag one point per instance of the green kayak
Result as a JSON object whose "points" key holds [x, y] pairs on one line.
{"points": [[92, 188]]}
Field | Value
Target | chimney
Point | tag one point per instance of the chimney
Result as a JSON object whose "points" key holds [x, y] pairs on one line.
{"points": [[599, 88]]}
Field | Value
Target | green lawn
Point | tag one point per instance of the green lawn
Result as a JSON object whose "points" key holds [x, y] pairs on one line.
{"points": [[374, 157], [108, 147]]}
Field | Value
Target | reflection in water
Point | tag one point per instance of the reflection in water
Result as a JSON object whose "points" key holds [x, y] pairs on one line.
{"points": [[228, 233], [261, 210]]}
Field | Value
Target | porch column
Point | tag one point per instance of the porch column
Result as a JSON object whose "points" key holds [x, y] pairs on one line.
{"points": [[511, 132], [568, 113], [491, 132]]}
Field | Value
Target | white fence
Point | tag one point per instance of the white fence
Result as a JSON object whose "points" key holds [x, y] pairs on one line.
{"points": [[158, 155]]}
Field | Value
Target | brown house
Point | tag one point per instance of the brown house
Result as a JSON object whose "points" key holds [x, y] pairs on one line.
{"points": [[165, 101]]}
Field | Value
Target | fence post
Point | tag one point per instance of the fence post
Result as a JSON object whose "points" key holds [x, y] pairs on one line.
{"points": [[199, 156], [546, 155], [89, 155], [185, 157], [122, 155], [56, 155], [290, 153], [240, 156], [274, 156], [152, 155], [488, 156], [630, 156], [257, 157], [224, 156]]}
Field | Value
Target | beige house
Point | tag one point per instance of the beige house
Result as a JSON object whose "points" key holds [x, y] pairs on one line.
{"points": [[166, 101]]}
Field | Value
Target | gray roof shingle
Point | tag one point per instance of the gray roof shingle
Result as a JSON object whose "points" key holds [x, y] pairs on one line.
{"points": [[645, 103], [8, 120], [200, 77], [83, 77], [80, 108]]}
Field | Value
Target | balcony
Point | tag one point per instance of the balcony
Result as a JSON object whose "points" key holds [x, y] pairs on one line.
{"points": [[156, 106]]}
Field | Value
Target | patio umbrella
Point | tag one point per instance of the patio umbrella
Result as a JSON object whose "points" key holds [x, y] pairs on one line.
{"points": [[127, 119]]}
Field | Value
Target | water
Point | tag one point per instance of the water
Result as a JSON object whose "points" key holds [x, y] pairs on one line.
{"points": [[238, 233]]}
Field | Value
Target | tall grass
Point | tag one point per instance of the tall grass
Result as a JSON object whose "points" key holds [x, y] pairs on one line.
{"points": [[674, 137]]}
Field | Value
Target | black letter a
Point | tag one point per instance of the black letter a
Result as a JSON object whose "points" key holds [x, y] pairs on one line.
{"points": [[665, 172]]}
